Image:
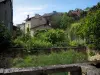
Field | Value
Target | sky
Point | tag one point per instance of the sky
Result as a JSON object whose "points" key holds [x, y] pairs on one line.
{"points": [[22, 8]]}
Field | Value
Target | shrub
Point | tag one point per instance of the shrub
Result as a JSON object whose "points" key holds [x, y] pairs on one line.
{"points": [[18, 42], [91, 46], [92, 53], [30, 43], [73, 43], [90, 28], [41, 44], [52, 35]]}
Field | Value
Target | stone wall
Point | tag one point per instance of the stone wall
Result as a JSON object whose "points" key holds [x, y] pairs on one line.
{"points": [[6, 14], [74, 69]]}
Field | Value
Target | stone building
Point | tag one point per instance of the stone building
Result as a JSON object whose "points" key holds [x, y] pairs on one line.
{"points": [[35, 23], [6, 13], [21, 27]]}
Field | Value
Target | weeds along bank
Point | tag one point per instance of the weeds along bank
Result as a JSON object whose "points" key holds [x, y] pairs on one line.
{"points": [[63, 57]]}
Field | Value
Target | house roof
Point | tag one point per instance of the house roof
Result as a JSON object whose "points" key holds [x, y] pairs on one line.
{"points": [[28, 19], [37, 16], [48, 14], [40, 21]]}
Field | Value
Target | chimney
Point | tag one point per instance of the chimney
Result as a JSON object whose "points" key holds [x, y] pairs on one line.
{"points": [[27, 16]]}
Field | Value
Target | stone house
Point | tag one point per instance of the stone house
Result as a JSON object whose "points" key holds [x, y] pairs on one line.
{"points": [[6, 13], [35, 23], [21, 27]]}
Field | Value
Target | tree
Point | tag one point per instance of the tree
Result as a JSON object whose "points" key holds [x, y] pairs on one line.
{"points": [[96, 7], [66, 21], [87, 9], [53, 35], [73, 31], [56, 21], [90, 28]]}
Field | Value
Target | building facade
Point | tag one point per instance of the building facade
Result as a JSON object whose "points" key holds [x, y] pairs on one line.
{"points": [[6, 13], [35, 23], [21, 27]]}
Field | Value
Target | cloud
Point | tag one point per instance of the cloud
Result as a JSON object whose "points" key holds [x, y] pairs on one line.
{"points": [[21, 12]]}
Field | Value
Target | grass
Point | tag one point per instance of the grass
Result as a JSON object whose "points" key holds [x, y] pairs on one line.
{"points": [[64, 57]]}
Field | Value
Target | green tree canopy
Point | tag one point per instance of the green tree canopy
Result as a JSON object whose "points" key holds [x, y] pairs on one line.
{"points": [[90, 28], [56, 21], [52, 35], [66, 21]]}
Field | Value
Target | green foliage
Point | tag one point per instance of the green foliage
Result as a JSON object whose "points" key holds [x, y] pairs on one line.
{"points": [[87, 9], [74, 43], [91, 46], [74, 37], [73, 31], [77, 43], [56, 21], [38, 43], [96, 7], [5, 38], [18, 42], [29, 43], [66, 21], [53, 36], [90, 28], [92, 53], [63, 57]]}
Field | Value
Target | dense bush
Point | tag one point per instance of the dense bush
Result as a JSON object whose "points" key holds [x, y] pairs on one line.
{"points": [[31, 44], [77, 43], [90, 29], [42, 39], [56, 21], [52, 35], [42, 44], [66, 21]]}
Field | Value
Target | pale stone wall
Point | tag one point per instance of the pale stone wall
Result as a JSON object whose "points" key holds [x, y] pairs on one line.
{"points": [[32, 32], [27, 25]]}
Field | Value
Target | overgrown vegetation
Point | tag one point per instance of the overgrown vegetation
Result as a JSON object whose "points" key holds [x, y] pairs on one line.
{"points": [[5, 38], [75, 28], [42, 39], [63, 57], [72, 29]]}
